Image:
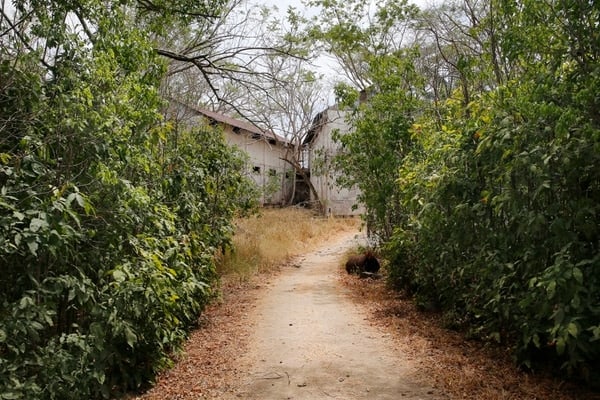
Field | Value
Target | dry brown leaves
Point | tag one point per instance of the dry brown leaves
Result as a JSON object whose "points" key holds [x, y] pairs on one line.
{"points": [[460, 368], [207, 367]]}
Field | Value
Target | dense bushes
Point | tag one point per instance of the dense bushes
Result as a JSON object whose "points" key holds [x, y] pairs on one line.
{"points": [[503, 236], [497, 203], [109, 217]]}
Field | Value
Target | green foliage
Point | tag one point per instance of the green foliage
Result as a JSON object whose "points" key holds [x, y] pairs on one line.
{"points": [[374, 149], [502, 204], [109, 218], [488, 200], [272, 185], [356, 33]]}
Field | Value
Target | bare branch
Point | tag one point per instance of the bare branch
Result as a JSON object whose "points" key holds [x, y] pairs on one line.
{"points": [[149, 6]]}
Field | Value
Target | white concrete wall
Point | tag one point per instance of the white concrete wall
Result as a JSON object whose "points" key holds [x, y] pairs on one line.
{"points": [[266, 163], [264, 155], [336, 200]]}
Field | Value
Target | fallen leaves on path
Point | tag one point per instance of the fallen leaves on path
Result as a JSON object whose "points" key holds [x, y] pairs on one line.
{"points": [[207, 367], [461, 368]]}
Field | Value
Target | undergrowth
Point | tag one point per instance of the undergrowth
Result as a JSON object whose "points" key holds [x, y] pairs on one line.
{"points": [[272, 237]]}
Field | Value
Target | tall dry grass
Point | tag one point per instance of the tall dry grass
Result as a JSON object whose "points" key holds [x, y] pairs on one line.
{"points": [[275, 235]]}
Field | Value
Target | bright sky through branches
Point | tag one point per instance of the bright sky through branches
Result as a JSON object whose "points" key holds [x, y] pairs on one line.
{"points": [[326, 65]]}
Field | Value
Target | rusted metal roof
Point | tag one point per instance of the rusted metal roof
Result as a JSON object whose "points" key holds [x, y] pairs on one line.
{"points": [[315, 128], [236, 123]]}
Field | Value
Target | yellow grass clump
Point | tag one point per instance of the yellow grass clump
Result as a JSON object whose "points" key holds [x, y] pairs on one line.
{"points": [[274, 236]]}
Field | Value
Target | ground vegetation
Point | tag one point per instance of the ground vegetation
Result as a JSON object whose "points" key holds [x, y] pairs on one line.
{"points": [[109, 217], [477, 155]]}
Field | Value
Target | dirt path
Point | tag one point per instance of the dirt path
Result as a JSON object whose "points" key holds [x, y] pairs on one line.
{"points": [[310, 341], [310, 331]]}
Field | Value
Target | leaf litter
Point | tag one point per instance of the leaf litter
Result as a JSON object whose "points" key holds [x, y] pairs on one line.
{"points": [[461, 368], [207, 368]]}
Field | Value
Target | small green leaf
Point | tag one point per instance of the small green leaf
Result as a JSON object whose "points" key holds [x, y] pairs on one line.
{"points": [[573, 329], [551, 290], [33, 246], [25, 302], [595, 332], [119, 275], [576, 302], [36, 224], [559, 316], [36, 325], [97, 330], [560, 346], [5, 158], [48, 319], [99, 376], [130, 337], [536, 340], [80, 201]]}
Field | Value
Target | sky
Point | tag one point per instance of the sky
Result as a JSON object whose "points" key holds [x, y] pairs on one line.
{"points": [[326, 65], [284, 4]]}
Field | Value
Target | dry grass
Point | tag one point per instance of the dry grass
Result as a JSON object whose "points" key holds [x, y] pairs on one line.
{"points": [[273, 237], [208, 368]]}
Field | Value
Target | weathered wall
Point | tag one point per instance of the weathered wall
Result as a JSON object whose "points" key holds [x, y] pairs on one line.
{"points": [[266, 166], [336, 200]]}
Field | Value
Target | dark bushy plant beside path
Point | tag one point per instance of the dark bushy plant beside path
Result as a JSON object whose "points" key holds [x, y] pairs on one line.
{"points": [[494, 215], [109, 215]]}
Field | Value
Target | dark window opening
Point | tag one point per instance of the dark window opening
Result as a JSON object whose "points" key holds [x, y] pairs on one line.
{"points": [[256, 170]]}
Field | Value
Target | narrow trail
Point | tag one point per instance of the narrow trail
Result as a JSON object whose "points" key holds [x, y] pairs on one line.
{"points": [[308, 331], [308, 340]]}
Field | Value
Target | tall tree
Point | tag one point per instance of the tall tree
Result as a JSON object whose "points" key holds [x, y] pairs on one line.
{"points": [[108, 230], [461, 50], [222, 62], [357, 31], [368, 40], [289, 110]]}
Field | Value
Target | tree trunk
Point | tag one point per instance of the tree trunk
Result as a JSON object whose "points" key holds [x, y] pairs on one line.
{"points": [[298, 168]]}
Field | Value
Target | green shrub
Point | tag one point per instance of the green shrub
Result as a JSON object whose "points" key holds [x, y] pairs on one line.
{"points": [[500, 196], [109, 218]]}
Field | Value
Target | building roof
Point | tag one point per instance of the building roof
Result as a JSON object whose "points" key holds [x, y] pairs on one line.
{"points": [[236, 123], [321, 119], [317, 123]]}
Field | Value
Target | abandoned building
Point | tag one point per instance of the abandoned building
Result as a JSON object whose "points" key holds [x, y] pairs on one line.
{"points": [[265, 149], [280, 184], [334, 199]]}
